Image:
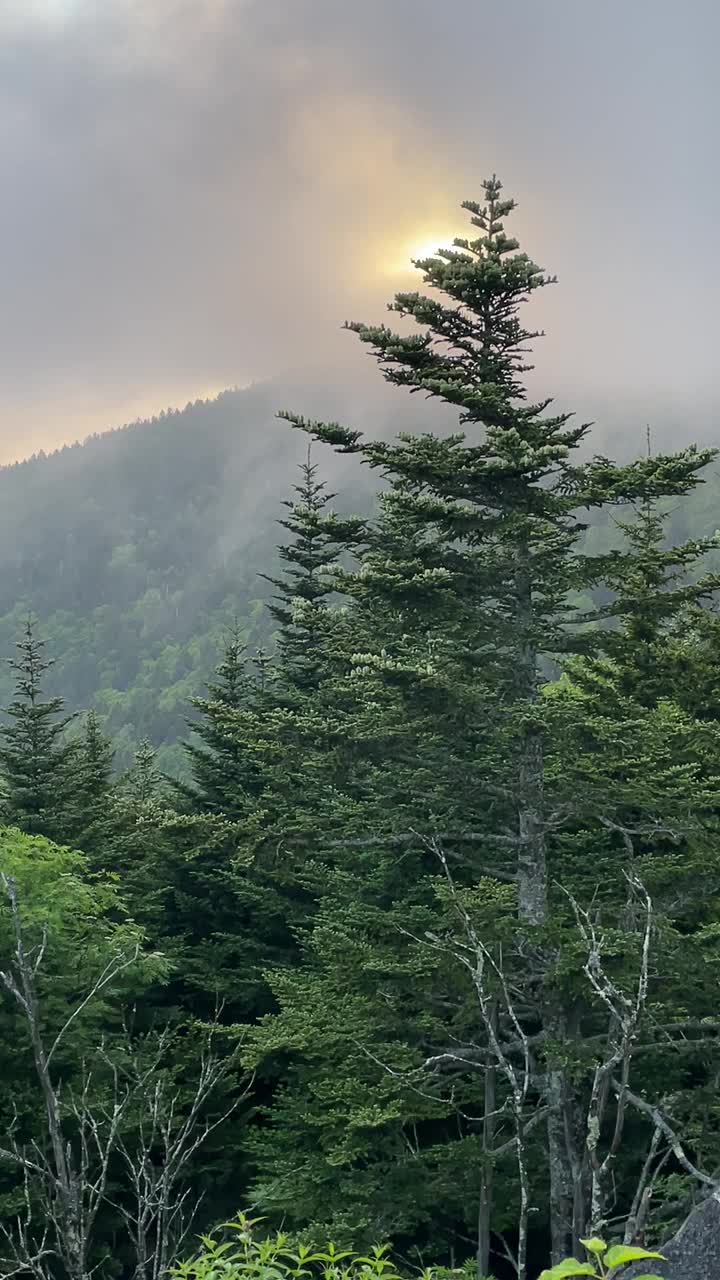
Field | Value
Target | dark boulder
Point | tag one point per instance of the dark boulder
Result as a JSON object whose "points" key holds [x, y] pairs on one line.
{"points": [[692, 1254]]}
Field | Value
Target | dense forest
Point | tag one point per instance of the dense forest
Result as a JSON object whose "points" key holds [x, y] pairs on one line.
{"points": [[138, 549], [409, 932]]}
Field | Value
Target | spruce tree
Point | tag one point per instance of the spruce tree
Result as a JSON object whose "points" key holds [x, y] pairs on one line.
{"points": [[499, 510], [268, 724], [658, 595], [93, 817], [222, 897], [318, 541], [144, 790], [511, 499], [36, 758], [223, 772]]}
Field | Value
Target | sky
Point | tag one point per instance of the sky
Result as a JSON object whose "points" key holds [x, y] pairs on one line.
{"points": [[197, 193]]}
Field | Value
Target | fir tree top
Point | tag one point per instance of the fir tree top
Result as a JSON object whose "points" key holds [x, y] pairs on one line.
{"points": [[511, 491], [35, 757]]}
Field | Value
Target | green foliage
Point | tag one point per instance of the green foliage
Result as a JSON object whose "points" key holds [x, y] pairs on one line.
{"points": [[35, 756], [80, 928], [247, 1255], [604, 1259], [91, 789], [319, 540], [225, 779], [85, 924]]}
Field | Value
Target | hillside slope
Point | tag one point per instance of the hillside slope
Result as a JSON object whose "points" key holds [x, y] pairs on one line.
{"points": [[137, 549]]}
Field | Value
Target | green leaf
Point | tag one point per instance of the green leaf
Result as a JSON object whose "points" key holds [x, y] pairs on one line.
{"points": [[594, 1245], [569, 1267], [619, 1254]]}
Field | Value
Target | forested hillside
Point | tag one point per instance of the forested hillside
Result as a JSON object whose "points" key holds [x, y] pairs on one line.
{"points": [[423, 946], [123, 549], [137, 550]]}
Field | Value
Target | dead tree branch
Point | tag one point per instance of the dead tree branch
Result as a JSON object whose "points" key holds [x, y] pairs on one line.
{"points": [[146, 1122], [625, 1018]]}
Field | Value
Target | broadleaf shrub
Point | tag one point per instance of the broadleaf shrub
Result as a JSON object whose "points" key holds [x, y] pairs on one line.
{"points": [[604, 1259], [243, 1254]]}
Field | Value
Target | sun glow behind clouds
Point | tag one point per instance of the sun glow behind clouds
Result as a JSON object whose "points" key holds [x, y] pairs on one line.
{"points": [[429, 248], [415, 250]]}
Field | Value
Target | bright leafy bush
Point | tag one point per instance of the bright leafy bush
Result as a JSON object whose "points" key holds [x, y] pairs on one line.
{"points": [[246, 1255], [604, 1259]]}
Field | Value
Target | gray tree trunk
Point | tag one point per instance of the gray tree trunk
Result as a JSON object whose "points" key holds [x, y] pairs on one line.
{"points": [[533, 911]]}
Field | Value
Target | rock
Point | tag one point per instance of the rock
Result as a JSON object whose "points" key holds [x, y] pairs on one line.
{"points": [[692, 1254]]}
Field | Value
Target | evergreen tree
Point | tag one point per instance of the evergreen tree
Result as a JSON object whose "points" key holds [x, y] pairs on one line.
{"points": [[509, 501], [318, 540], [144, 791], [658, 592], [224, 779], [197, 871], [36, 758], [92, 788], [497, 523], [136, 844]]}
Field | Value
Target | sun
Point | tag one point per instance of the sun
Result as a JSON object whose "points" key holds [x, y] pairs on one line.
{"points": [[428, 248], [415, 249]]}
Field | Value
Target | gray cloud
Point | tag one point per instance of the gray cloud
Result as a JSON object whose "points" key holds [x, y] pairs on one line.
{"points": [[198, 192]]}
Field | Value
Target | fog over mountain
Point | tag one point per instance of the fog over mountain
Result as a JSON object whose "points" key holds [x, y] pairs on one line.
{"points": [[359, 799], [196, 195], [137, 550]]}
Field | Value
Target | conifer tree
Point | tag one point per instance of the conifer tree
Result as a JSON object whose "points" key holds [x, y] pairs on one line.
{"points": [[226, 912], [318, 539], [144, 789], [93, 818], [142, 850], [36, 758], [224, 777], [266, 725], [498, 512], [511, 498], [657, 591]]}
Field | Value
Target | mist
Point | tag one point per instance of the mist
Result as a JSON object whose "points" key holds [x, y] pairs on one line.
{"points": [[197, 195]]}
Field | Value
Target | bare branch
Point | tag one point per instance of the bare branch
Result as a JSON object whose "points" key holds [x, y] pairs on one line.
{"points": [[114, 967], [67, 1181], [662, 1124]]}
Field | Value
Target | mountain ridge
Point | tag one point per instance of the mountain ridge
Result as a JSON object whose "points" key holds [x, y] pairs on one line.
{"points": [[138, 547]]}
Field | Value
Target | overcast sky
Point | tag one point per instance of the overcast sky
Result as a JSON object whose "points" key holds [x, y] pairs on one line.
{"points": [[196, 193]]}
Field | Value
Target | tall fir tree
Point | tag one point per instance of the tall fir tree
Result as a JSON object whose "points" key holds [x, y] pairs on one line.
{"points": [[658, 593], [498, 521], [319, 539], [223, 773], [93, 819], [36, 756]]}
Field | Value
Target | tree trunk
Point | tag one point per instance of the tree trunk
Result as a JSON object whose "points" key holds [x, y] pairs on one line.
{"points": [[533, 906], [562, 1200], [486, 1183], [532, 867]]}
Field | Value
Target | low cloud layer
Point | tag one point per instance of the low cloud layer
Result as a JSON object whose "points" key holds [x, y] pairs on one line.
{"points": [[198, 192]]}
